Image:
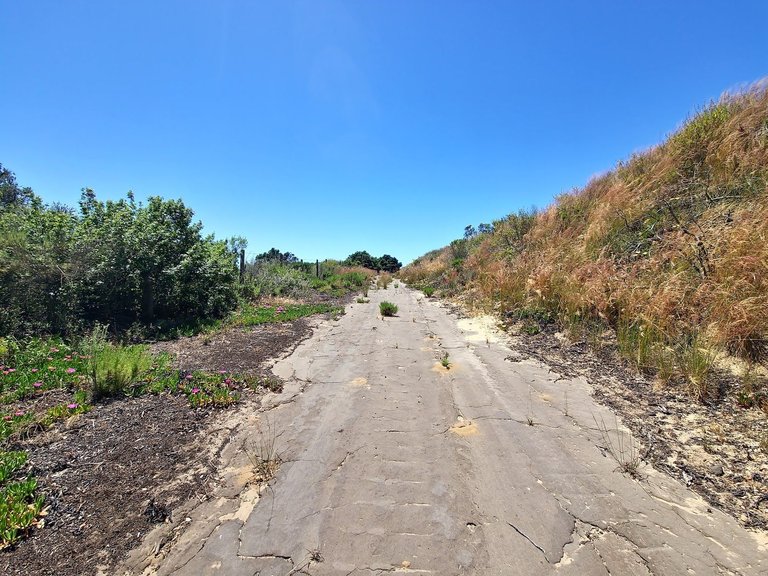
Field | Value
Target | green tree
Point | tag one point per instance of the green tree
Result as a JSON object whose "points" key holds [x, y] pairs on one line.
{"points": [[362, 258], [275, 255], [114, 262], [11, 194], [389, 263]]}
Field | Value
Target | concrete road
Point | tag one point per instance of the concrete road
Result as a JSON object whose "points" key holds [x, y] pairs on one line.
{"points": [[393, 463]]}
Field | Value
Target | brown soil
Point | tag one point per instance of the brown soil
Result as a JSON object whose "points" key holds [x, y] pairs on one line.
{"points": [[111, 474], [241, 350]]}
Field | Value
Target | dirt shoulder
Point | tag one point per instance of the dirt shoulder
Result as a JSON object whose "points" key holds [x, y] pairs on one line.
{"points": [[109, 476], [714, 448]]}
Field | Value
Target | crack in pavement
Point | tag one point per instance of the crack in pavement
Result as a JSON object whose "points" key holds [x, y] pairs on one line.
{"points": [[524, 535]]}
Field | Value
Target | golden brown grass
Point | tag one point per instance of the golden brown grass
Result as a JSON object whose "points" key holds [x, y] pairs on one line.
{"points": [[674, 241]]}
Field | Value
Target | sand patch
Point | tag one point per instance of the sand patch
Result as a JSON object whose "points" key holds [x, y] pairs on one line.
{"points": [[359, 382], [464, 428], [480, 329], [440, 369]]}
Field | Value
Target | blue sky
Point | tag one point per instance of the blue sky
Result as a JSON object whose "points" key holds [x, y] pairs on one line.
{"points": [[327, 127]]}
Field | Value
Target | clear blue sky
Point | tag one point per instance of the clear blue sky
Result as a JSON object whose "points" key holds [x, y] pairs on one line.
{"points": [[326, 127]]}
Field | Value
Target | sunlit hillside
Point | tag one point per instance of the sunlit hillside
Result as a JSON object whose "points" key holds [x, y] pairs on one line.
{"points": [[670, 249]]}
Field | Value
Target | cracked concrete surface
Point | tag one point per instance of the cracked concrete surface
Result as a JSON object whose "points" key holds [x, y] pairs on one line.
{"points": [[487, 467]]}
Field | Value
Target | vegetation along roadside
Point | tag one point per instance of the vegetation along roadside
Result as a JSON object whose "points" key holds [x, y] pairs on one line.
{"points": [[117, 318], [659, 266]]}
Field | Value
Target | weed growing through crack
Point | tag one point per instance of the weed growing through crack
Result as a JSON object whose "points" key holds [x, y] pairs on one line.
{"points": [[315, 557], [565, 393], [445, 362], [263, 453], [529, 418], [624, 450], [387, 308]]}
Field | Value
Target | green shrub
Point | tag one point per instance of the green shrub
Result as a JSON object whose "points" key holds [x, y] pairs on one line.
{"points": [[115, 261], [19, 509], [428, 291], [355, 279], [10, 462], [113, 367], [274, 278], [387, 308]]}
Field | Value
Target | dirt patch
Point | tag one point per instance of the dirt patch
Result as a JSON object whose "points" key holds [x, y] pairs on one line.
{"points": [[109, 476], [239, 350]]}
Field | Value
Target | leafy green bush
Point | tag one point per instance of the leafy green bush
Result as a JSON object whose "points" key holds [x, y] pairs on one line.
{"points": [[9, 463], [387, 308], [428, 291], [115, 261], [275, 278], [19, 509]]}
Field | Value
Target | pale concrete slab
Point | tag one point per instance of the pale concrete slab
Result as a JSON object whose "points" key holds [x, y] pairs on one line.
{"points": [[392, 463]]}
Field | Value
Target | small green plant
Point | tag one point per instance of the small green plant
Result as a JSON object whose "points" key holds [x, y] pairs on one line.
{"points": [[530, 328], [10, 462], [387, 308], [645, 347], [696, 364], [529, 418], [445, 361], [362, 301], [428, 291], [271, 383], [113, 367], [19, 510], [751, 392]]}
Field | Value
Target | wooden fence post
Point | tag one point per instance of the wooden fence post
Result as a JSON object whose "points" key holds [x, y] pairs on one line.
{"points": [[242, 266]]}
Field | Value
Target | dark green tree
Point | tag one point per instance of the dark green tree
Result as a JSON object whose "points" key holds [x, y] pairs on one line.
{"points": [[362, 258], [389, 263], [273, 254], [115, 262]]}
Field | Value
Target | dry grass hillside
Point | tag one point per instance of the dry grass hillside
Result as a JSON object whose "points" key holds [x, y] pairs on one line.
{"points": [[669, 250]]}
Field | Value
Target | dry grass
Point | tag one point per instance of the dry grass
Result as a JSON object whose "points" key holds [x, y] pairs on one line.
{"points": [[673, 242]]}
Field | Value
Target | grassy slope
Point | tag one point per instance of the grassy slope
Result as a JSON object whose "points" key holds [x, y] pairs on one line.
{"points": [[670, 249]]}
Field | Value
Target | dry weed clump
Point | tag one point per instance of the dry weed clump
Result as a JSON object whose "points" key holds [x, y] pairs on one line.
{"points": [[670, 248]]}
